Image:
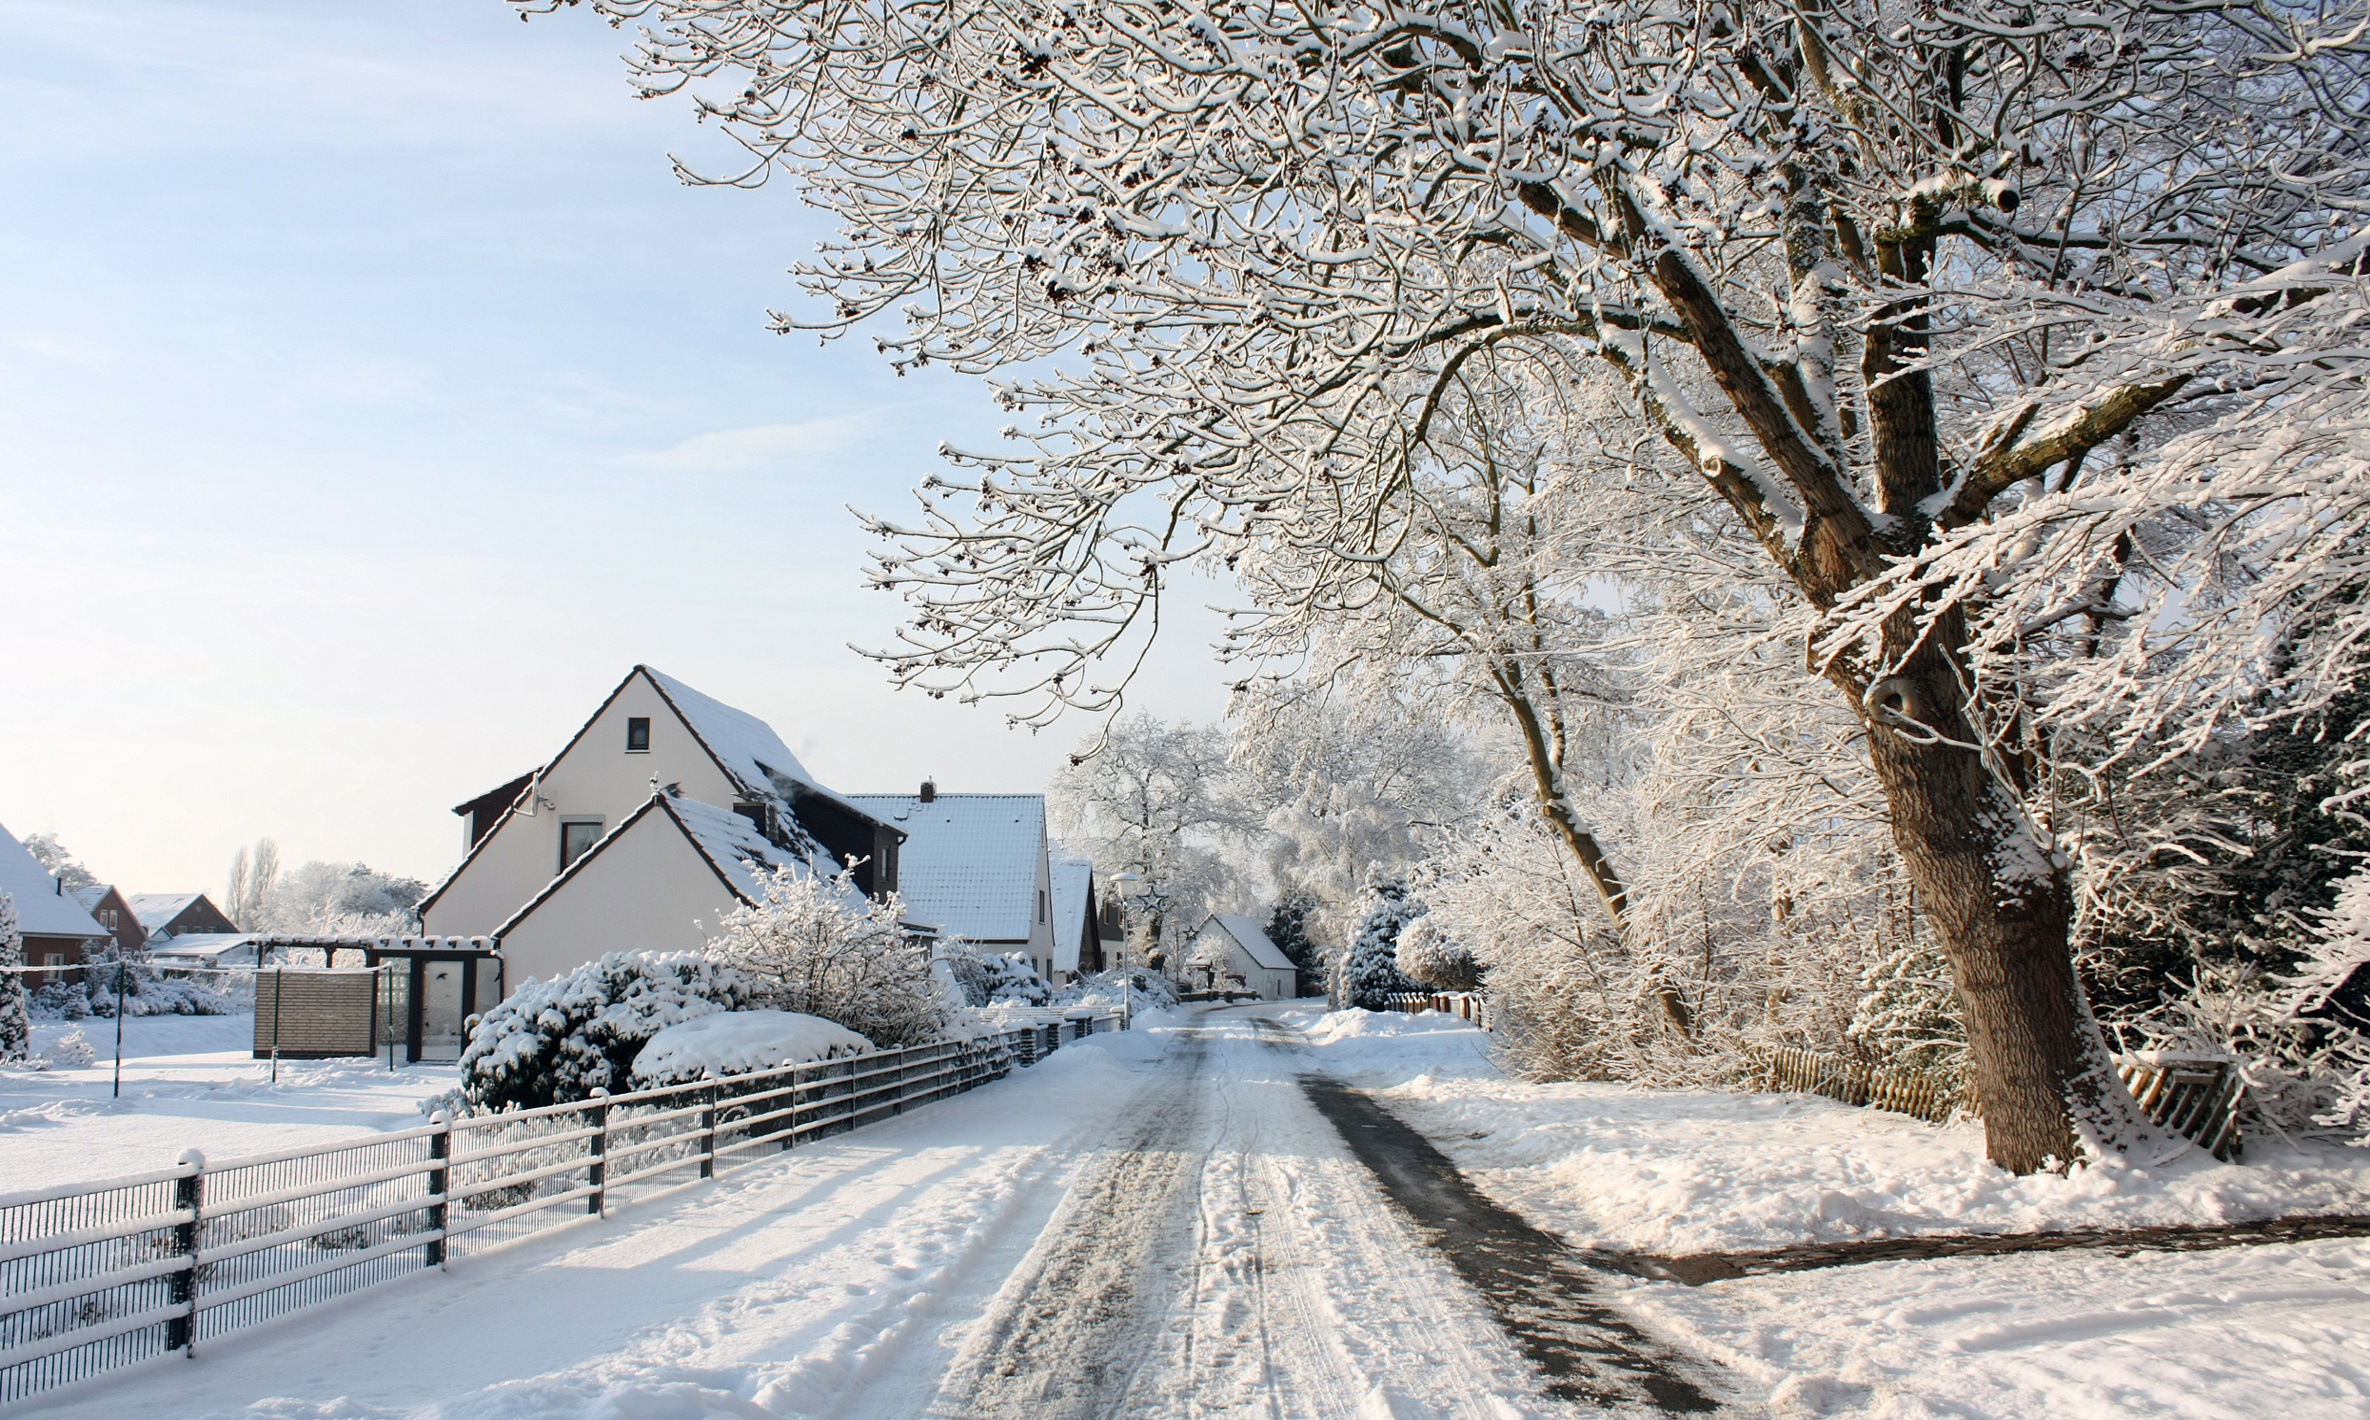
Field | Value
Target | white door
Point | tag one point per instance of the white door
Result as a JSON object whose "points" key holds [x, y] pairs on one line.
{"points": [[440, 1011]]}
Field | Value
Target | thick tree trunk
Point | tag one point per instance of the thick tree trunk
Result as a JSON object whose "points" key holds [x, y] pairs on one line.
{"points": [[2002, 904]]}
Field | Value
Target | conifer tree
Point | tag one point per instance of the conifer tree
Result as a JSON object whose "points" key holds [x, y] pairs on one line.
{"points": [[16, 1027]]}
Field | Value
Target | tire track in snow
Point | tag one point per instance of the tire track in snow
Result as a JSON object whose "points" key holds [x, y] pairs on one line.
{"points": [[1227, 1257], [1067, 1335]]}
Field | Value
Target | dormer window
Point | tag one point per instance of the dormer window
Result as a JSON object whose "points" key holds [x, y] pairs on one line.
{"points": [[637, 735]]}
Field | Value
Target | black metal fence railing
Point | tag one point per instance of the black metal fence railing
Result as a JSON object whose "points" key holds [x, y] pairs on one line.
{"points": [[97, 1276]]}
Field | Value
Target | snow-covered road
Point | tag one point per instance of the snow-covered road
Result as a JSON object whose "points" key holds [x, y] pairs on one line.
{"points": [[1151, 1224]]}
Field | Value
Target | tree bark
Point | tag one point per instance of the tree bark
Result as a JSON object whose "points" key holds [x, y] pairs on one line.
{"points": [[2002, 904]]}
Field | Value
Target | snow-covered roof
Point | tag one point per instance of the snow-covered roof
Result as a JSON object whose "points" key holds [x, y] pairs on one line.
{"points": [[207, 946], [1253, 937], [156, 910], [969, 862], [746, 747], [41, 909], [90, 897], [1073, 883], [733, 844]]}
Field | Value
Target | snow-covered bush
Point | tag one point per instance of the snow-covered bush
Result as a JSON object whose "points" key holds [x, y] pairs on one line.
{"points": [[16, 1030], [1011, 979], [554, 1042], [70, 1050], [819, 947], [1369, 970], [1429, 955], [1909, 1012], [726, 1043], [1148, 990], [145, 993]]}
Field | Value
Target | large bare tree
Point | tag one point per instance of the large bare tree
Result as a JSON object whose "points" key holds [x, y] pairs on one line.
{"points": [[1876, 268]]}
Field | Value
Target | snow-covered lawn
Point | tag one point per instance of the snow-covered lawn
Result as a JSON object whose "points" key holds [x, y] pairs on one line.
{"points": [[2250, 1331], [1686, 1171], [188, 1082]]}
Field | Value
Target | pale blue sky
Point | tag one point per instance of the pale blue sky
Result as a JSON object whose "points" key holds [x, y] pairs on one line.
{"points": [[372, 398]]}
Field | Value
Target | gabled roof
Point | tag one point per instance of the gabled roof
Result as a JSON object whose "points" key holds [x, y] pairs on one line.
{"points": [[156, 910], [743, 746], [1073, 888], [751, 755], [41, 909], [1253, 937], [90, 897], [969, 862], [735, 851]]}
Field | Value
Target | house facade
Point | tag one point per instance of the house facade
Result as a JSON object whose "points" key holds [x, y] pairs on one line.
{"points": [[111, 910], [632, 837], [165, 915], [978, 867], [56, 928], [1228, 949]]}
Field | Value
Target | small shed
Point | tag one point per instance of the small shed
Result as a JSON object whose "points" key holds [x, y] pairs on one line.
{"points": [[1229, 949], [408, 996]]}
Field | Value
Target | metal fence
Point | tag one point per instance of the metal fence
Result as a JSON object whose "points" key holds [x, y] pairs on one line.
{"points": [[97, 1276]]}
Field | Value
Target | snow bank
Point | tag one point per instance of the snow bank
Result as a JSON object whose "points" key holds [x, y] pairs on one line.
{"points": [[2057, 1336], [1685, 1171], [739, 1043]]}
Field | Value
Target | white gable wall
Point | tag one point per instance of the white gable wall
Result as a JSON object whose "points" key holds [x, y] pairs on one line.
{"points": [[595, 778], [649, 890], [1218, 946]]}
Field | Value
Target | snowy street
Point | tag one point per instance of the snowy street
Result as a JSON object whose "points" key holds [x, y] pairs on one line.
{"points": [[1110, 1232], [1168, 1223]]}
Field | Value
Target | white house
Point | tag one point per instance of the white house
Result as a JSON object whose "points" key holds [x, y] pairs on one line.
{"points": [[661, 880], [1228, 949], [631, 838], [976, 866], [56, 928]]}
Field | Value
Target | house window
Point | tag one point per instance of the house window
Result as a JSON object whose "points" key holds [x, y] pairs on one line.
{"points": [[107, 918], [1040, 904], [576, 836], [637, 735]]}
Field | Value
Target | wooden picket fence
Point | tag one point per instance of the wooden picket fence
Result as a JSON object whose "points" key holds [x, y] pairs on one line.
{"points": [[1465, 1005], [1936, 1096], [2194, 1096]]}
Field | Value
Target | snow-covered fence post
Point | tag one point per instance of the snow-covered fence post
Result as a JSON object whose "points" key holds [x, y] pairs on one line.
{"points": [[440, 1148], [597, 1174], [189, 1194], [707, 1130]]}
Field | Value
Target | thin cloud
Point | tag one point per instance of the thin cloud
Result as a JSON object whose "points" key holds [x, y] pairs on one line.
{"points": [[764, 447]]}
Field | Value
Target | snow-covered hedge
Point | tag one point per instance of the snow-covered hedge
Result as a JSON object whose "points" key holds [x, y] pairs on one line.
{"points": [[1100, 991], [726, 1043], [145, 994], [554, 1042]]}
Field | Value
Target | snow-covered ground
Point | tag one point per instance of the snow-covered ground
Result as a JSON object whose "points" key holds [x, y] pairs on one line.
{"points": [[2252, 1331], [1687, 1171], [188, 1082]]}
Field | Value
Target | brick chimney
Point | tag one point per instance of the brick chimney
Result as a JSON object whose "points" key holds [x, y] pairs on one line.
{"points": [[929, 792]]}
